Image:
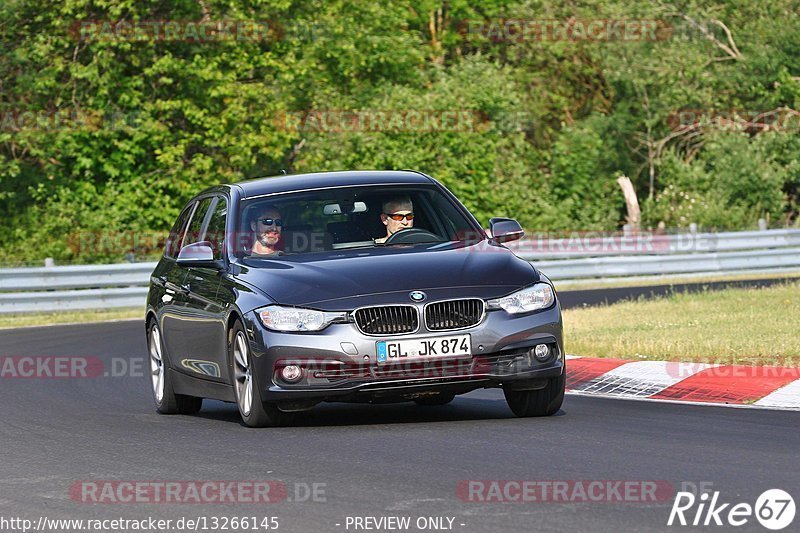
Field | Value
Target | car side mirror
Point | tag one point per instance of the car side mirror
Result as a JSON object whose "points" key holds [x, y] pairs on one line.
{"points": [[198, 254], [505, 229]]}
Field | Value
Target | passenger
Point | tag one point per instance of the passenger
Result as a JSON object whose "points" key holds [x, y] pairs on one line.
{"points": [[267, 228], [398, 214]]}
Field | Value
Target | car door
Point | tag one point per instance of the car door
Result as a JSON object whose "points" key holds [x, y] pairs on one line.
{"points": [[169, 278], [204, 328]]}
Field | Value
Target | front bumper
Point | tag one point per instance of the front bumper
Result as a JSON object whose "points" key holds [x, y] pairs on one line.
{"points": [[340, 362]]}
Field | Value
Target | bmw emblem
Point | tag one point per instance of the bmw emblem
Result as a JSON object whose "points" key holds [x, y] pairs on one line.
{"points": [[417, 296]]}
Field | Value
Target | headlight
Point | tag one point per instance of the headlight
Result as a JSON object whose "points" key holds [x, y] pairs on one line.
{"points": [[279, 318], [538, 296]]}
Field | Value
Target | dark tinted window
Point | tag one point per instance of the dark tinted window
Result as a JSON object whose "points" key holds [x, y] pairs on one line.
{"points": [[173, 244], [215, 233], [196, 225], [350, 217]]}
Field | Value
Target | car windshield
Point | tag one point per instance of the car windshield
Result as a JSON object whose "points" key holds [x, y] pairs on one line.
{"points": [[349, 217]]}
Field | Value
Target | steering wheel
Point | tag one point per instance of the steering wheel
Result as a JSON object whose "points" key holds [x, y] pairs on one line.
{"points": [[412, 236]]}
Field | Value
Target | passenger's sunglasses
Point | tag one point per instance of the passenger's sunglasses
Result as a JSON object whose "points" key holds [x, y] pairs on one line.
{"points": [[269, 221], [399, 216]]}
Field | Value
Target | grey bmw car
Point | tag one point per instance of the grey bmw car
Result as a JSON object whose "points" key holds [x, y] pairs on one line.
{"points": [[365, 286]]}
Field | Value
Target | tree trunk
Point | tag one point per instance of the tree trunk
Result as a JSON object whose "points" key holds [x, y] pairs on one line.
{"points": [[631, 201]]}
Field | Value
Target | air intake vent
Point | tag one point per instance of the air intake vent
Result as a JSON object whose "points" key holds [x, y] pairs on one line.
{"points": [[387, 320], [453, 314]]}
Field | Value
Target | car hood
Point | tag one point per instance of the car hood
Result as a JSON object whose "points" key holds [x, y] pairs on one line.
{"points": [[345, 279]]}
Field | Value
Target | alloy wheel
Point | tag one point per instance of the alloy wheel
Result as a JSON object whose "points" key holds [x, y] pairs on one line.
{"points": [[156, 364], [243, 373]]}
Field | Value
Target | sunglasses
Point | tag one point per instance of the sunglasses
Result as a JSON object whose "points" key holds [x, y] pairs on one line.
{"points": [[399, 216], [270, 221]]}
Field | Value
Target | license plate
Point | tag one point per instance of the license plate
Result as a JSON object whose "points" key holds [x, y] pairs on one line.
{"points": [[412, 349]]}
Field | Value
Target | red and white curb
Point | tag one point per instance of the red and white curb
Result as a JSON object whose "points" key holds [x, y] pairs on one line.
{"points": [[735, 385]]}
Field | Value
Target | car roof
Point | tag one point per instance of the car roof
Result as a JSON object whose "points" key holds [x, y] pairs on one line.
{"points": [[321, 180]]}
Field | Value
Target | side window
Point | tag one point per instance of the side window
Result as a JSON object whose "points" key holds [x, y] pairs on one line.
{"points": [[196, 225], [215, 233], [172, 247]]}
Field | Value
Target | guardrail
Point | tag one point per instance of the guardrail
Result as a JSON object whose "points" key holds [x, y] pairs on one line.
{"points": [[631, 266], [576, 258], [60, 288], [637, 244]]}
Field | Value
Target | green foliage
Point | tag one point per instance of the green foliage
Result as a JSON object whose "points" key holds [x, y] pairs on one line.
{"points": [[587, 196], [735, 181], [102, 140]]}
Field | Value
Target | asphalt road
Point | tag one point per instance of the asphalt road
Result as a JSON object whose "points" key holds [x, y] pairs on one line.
{"points": [[372, 461]]}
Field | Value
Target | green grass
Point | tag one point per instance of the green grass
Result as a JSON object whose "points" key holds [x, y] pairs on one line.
{"points": [[669, 280], [731, 326], [69, 317]]}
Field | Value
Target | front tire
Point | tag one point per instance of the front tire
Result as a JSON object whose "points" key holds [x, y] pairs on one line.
{"points": [[542, 402], [255, 412], [167, 402]]}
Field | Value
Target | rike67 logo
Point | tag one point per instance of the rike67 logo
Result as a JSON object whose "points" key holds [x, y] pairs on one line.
{"points": [[774, 509]]}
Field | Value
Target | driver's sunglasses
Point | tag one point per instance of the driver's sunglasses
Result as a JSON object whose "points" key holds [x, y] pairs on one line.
{"points": [[400, 216], [270, 221]]}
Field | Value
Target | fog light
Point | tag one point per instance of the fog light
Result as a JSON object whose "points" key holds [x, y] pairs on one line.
{"points": [[541, 352], [291, 373]]}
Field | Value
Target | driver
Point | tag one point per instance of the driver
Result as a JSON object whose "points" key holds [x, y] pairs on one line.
{"points": [[267, 228], [398, 214]]}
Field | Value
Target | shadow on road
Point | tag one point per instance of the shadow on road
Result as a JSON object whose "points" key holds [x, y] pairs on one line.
{"points": [[346, 414]]}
